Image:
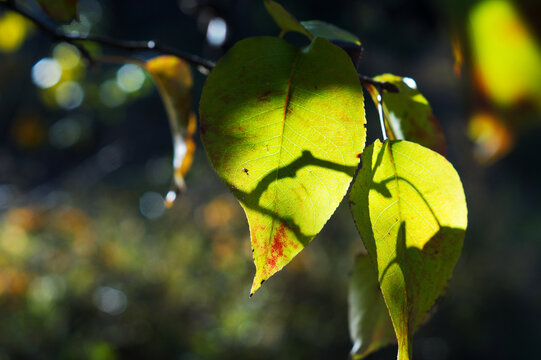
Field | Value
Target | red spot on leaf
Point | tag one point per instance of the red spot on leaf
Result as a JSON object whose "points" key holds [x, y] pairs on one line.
{"points": [[359, 155], [277, 247]]}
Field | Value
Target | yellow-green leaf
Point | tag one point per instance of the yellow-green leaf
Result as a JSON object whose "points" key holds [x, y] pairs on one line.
{"points": [[410, 209], [408, 114], [370, 326], [285, 20], [283, 127], [329, 31], [61, 11], [173, 79]]}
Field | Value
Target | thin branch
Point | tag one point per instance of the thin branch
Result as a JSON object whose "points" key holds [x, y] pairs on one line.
{"points": [[204, 65], [383, 85]]}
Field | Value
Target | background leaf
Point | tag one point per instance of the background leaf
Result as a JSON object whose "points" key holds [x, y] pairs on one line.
{"points": [[285, 20], [283, 127], [329, 31], [173, 79], [370, 326], [408, 114], [61, 11], [410, 209]]}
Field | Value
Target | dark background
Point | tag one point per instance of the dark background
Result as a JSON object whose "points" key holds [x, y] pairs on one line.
{"points": [[91, 266]]}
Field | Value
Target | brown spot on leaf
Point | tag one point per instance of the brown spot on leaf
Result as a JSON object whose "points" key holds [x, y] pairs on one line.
{"points": [[265, 97]]}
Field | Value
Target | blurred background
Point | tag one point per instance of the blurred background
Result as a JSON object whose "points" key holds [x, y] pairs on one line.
{"points": [[92, 265]]}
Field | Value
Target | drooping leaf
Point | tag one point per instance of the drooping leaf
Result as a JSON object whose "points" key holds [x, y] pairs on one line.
{"points": [[410, 209], [408, 114], [173, 79], [283, 127], [370, 326], [329, 31], [285, 20], [61, 11]]}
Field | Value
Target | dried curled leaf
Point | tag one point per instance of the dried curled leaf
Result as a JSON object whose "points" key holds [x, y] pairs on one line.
{"points": [[173, 79]]}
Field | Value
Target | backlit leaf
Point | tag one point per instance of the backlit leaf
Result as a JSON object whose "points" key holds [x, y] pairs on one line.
{"points": [[283, 127], [408, 114], [285, 20], [410, 209], [173, 79], [329, 31], [370, 326], [61, 11]]}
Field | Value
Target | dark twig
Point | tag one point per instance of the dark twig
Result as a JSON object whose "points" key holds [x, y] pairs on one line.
{"points": [[380, 85], [204, 65]]}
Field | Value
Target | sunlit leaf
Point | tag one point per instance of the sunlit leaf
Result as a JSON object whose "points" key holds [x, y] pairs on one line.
{"points": [[329, 31], [61, 11], [507, 58], [284, 19], [174, 81], [283, 127], [410, 209], [408, 114], [370, 326]]}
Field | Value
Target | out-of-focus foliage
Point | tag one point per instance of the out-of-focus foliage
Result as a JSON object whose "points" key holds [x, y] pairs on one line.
{"points": [[61, 11], [14, 29], [499, 45], [506, 57], [289, 162]]}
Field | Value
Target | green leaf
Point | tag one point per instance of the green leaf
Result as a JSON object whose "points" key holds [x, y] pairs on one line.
{"points": [[173, 79], [329, 31], [283, 127], [408, 114], [61, 11], [410, 209], [370, 326], [285, 20]]}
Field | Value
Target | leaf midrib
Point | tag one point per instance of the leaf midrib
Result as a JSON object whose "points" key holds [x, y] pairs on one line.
{"points": [[284, 116]]}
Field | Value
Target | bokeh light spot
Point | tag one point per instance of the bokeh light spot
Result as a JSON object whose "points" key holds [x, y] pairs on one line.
{"points": [[110, 300], [111, 95], [216, 31], [46, 73], [65, 133], [68, 56], [69, 95], [130, 78], [151, 205]]}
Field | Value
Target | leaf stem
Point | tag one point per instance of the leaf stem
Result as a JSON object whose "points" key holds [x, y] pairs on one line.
{"points": [[380, 113], [203, 65]]}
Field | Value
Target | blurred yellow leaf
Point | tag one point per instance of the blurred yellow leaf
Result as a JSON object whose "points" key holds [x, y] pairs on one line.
{"points": [[14, 29], [492, 138], [173, 78], [507, 59]]}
